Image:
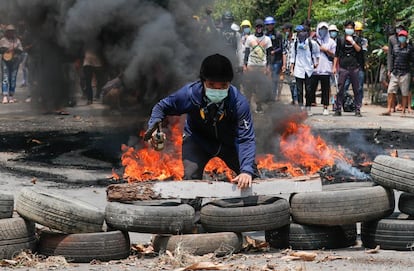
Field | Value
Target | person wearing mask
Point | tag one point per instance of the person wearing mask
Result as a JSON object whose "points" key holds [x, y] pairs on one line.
{"points": [[393, 42], [348, 54], [303, 60], [333, 31], [11, 49], [246, 28], [276, 56], [361, 74], [257, 66], [288, 42], [323, 71], [401, 63], [219, 122]]}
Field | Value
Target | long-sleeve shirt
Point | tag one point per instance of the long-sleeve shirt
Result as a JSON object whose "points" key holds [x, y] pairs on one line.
{"points": [[303, 59], [235, 129]]}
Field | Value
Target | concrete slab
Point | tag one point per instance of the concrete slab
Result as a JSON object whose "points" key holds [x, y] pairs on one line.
{"points": [[190, 189]]}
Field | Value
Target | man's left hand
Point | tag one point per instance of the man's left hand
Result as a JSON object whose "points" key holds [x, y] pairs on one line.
{"points": [[243, 180]]}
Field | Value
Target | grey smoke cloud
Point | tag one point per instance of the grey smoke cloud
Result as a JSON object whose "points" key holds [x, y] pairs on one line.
{"points": [[153, 43]]}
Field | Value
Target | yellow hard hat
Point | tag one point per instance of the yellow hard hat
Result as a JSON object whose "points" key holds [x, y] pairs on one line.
{"points": [[246, 23], [358, 26]]}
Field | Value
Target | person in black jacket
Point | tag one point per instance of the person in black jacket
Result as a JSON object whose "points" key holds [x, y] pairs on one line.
{"points": [[348, 54]]}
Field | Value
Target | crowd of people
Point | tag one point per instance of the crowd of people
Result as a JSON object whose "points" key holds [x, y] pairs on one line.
{"points": [[18, 51], [309, 59]]}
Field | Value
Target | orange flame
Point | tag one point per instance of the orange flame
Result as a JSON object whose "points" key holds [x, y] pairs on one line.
{"points": [[304, 154], [147, 164], [302, 150]]}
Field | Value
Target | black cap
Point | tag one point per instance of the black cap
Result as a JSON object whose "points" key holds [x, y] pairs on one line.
{"points": [[216, 68], [259, 22]]}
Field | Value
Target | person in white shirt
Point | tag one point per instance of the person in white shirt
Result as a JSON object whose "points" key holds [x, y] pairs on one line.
{"points": [[303, 60], [256, 65]]}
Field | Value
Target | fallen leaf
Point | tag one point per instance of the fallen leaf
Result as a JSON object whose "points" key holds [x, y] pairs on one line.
{"points": [[205, 266], [255, 244], [303, 255], [374, 250], [290, 258], [143, 249]]}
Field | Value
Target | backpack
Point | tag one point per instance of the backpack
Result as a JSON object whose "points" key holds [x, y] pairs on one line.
{"points": [[348, 104]]}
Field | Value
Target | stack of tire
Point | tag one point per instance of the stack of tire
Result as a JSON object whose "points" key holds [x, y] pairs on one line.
{"points": [[16, 233], [397, 231], [75, 227], [222, 221], [327, 219], [172, 223]]}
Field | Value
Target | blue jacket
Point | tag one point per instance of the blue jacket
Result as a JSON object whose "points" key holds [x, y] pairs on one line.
{"points": [[235, 129]]}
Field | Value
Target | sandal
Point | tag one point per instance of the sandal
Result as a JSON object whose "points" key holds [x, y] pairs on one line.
{"points": [[386, 114]]}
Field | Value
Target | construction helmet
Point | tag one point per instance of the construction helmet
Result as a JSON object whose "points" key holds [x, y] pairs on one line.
{"points": [[246, 23], [269, 20], [216, 68], [359, 26]]}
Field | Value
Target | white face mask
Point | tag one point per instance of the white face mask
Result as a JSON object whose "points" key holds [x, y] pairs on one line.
{"points": [[216, 95]]}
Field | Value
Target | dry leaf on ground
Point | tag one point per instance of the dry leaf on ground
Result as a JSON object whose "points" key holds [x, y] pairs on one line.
{"points": [[374, 250]]}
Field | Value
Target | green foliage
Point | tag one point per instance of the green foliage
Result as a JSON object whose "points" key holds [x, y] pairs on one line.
{"points": [[374, 14]]}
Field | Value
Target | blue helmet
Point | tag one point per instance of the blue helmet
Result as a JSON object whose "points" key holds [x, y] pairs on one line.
{"points": [[269, 20]]}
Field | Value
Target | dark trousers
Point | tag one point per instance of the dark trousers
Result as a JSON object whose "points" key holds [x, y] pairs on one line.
{"points": [[195, 158], [325, 87], [304, 83], [88, 72], [352, 74]]}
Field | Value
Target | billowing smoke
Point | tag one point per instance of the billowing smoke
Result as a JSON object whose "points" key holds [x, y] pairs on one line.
{"points": [[155, 45]]}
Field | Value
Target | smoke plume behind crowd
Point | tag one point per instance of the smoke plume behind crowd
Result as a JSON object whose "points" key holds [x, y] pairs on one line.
{"points": [[155, 45]]}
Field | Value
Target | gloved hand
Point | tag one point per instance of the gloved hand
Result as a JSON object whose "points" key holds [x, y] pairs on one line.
{"points": [[150, 130]]}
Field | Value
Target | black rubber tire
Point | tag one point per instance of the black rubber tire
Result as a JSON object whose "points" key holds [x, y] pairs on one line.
{"points": [[254, 213], [388, 233], [406, 203], [16, 234], [59, 212], [308, 237], [342, 207], [393, 172], [166, 217], [85, 247], [221, 243], [6, 205]]}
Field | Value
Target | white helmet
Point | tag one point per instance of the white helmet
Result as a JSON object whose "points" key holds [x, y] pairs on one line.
{"points": [[235, 27]]}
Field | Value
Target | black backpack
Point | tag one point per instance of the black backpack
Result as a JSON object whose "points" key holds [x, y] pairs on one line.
{"points": [[348, 103]]}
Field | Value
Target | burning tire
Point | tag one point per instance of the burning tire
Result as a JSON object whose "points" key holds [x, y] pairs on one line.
{"points": [[85, 247], [394, 172], [389, 233], [166, 217], [6, 205], [406, 203], [221, 243], [342, 207], [16, 234], [306, 237], [255, 213], [59, 212]]}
